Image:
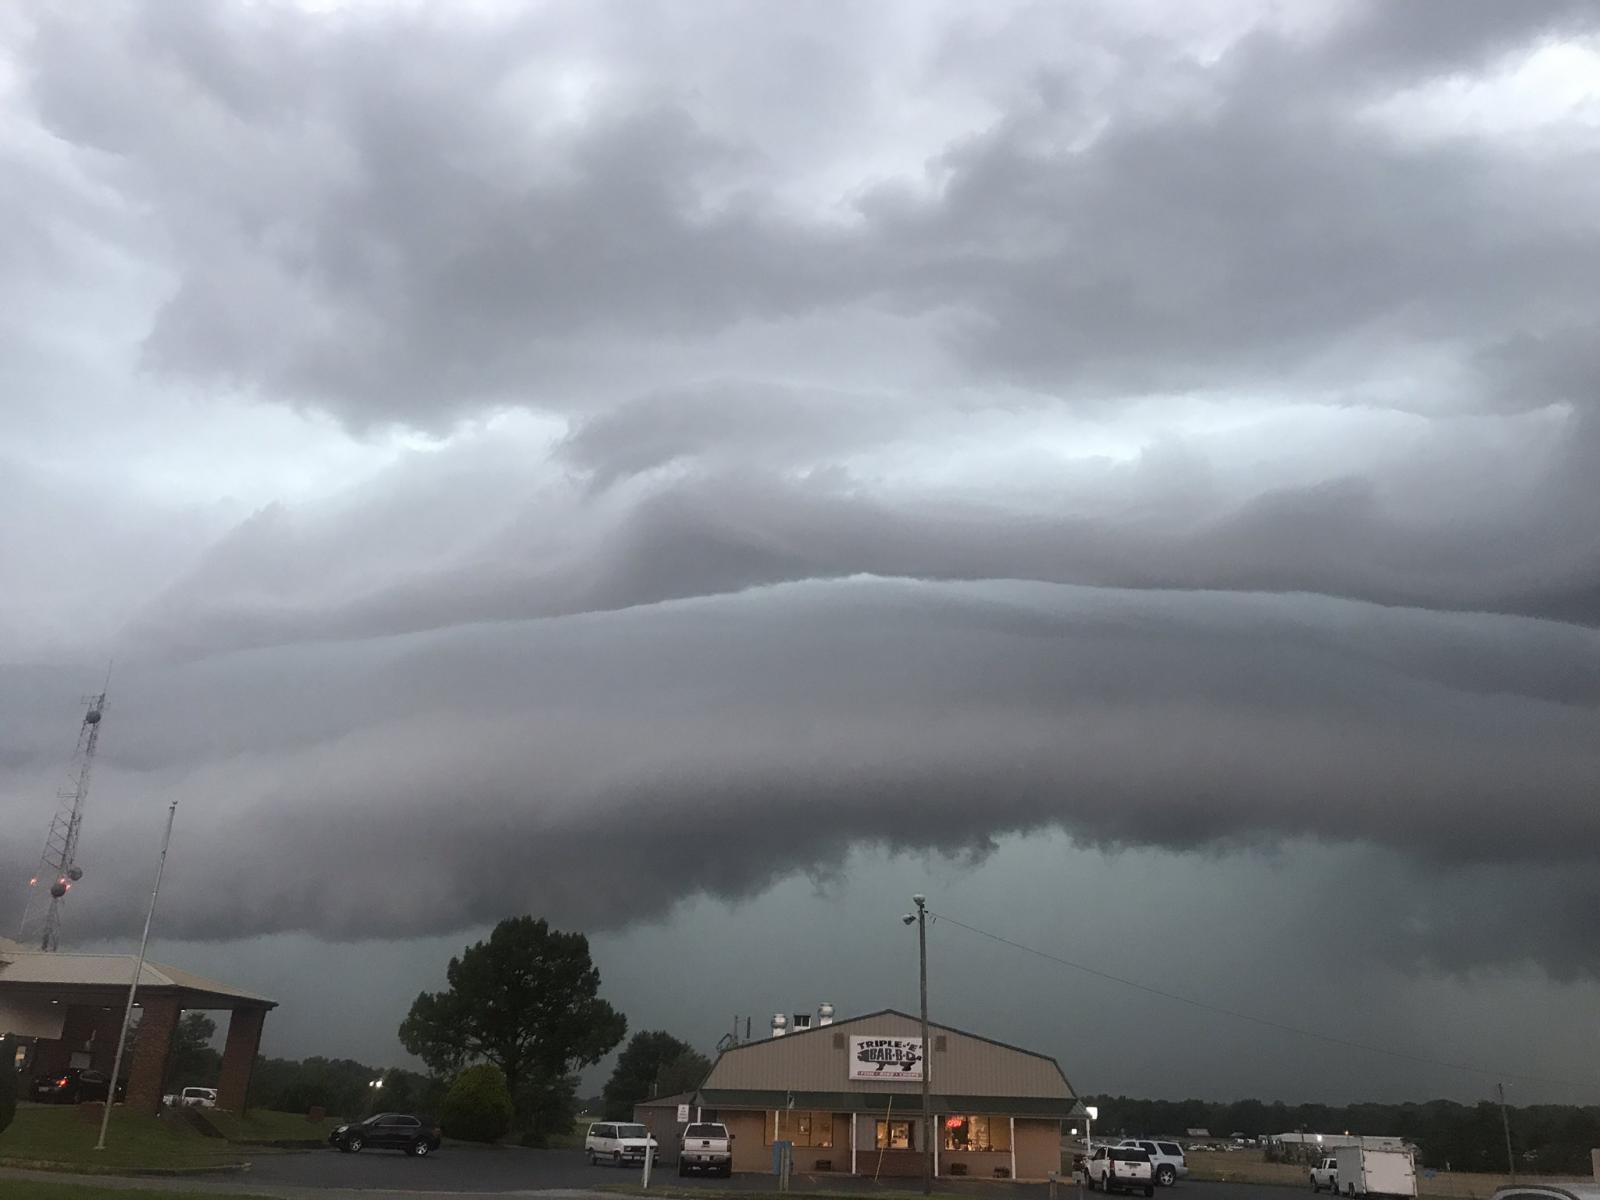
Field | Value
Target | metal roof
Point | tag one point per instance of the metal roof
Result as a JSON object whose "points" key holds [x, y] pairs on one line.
{"points": [[85, 977]]}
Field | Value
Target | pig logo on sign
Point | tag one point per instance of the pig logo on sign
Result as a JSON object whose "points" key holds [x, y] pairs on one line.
{"points": [[882, 1054]]}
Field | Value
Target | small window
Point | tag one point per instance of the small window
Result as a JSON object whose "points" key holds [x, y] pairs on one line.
{"points": [[893, 1135], [1147, 1147], [1171, 1149], [1127, 1154], [814, 1129]]}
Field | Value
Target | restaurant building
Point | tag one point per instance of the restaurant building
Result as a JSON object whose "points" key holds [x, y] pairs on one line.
{"points": [[848, 1096]]}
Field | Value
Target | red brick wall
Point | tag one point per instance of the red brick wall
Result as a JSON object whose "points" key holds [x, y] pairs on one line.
{"points": [[239, 1057], [148, 1068]]}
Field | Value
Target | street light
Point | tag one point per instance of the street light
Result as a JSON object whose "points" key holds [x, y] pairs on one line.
{"points": [[920, 920]]}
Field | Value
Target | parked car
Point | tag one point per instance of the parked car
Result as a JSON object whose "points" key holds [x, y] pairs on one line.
{"points": [[198, 1097], [707, 1146], [618, 1143], [1166, 1157], [75, 1085], [1547, 1190], [1120, 1168], [1325, 1175], [414, 1135]]}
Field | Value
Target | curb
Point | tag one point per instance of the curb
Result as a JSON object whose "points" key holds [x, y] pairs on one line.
{"points": [[28, 1164]]}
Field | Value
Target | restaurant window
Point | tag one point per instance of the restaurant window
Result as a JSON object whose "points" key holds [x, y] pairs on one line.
{"points": [[893, 1135], [977, 1133], [803, 1128]]}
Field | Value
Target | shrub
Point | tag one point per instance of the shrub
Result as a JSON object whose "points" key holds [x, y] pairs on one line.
{"points": [[477, 1108], [8, 1082]]}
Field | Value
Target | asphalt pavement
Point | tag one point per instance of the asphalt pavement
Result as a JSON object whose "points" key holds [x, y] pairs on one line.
{"points": [[465, 1170]]}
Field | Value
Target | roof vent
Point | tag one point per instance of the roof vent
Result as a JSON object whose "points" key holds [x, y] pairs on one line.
{"points": [[824, 1014], [780, 1024]]}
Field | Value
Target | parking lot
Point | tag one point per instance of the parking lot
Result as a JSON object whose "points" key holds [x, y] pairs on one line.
{"points": [[459, 1170]]}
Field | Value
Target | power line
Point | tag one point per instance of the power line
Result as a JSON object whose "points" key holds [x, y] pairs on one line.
{"points": [[1331, 1039]]}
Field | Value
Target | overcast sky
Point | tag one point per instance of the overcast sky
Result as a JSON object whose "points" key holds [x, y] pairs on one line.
{"points": [[703, 472]]}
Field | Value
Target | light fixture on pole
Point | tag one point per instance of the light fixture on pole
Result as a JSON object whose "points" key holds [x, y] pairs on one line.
{"points": [[1091, 1114], [920, 920]]}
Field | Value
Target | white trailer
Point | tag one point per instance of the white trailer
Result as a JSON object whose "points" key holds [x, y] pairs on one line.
{"points": [[1370, 1171]]}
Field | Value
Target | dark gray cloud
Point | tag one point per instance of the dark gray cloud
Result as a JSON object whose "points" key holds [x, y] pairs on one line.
{"points": [[485, 766]]}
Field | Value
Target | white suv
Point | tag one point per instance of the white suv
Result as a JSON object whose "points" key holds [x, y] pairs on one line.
{"points": [[1166, 1158], [1119, 1169], [617, 1143]]}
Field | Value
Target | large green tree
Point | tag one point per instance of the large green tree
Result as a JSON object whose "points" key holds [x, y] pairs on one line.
{"points": [[526, 1000], [654, 1063]]}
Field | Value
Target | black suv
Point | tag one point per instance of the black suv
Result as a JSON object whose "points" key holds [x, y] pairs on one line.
{"points": [[75, 1085], [388, 1131]]}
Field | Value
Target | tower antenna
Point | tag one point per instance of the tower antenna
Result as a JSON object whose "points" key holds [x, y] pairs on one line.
{"points": [[58, 865]]}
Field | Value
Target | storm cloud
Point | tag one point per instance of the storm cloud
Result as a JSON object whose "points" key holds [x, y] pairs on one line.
{"points": [[510, 448]]}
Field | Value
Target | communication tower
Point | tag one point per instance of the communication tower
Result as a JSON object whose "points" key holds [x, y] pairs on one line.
{"points": [[58, 865]]}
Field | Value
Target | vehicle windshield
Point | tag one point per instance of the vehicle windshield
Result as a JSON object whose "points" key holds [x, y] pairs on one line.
{"points": [[704, 1131], [632, 1131]]}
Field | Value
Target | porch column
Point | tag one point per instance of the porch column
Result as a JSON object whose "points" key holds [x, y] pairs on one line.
{"points": [[239, 1057], [148, 1069]]}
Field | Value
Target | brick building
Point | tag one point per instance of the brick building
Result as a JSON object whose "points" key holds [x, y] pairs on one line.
{"points": [[67, 1009]]}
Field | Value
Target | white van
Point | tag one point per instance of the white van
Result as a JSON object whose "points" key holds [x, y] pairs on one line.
{"points": [[618, 1142]]}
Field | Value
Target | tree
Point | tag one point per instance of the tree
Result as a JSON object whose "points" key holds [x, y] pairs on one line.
{"points": [[193, 1062], [477, 1108], [547, 1104], [637, 1073], [527, 1000], [683, 1074]]}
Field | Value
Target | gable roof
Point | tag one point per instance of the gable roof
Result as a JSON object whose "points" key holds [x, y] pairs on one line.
{"points": [[893, 1012], [92, 978], [789, 1039]]}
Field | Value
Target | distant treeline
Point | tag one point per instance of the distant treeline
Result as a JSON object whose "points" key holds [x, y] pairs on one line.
{"points": [[1546, 1138], [341, 1086]]}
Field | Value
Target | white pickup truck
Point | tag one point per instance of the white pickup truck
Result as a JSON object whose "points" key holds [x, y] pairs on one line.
{"points": [[1325, 1175], [707, 1146], [1120, 1169]]}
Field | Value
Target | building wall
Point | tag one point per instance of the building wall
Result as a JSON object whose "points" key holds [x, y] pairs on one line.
{"points": [[818, 1060], [750, 1149], [1038, 1146]]}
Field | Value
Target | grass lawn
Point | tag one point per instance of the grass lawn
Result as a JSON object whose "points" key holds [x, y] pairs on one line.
{"points": [[32, 1189], [259, 1125], [62, 1134]]}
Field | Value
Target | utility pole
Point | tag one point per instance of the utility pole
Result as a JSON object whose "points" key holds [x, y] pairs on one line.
{"points": [[138, 970], [927, 1101], [1505, 1121]]}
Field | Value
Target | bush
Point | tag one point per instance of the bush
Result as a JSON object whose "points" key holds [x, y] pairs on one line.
{"points": [[477, 1108], [8, 1082]]}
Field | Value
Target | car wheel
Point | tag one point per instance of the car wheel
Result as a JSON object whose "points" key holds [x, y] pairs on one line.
{"points": [[1167, 1176], [354, 1144], [420, 1148]]}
